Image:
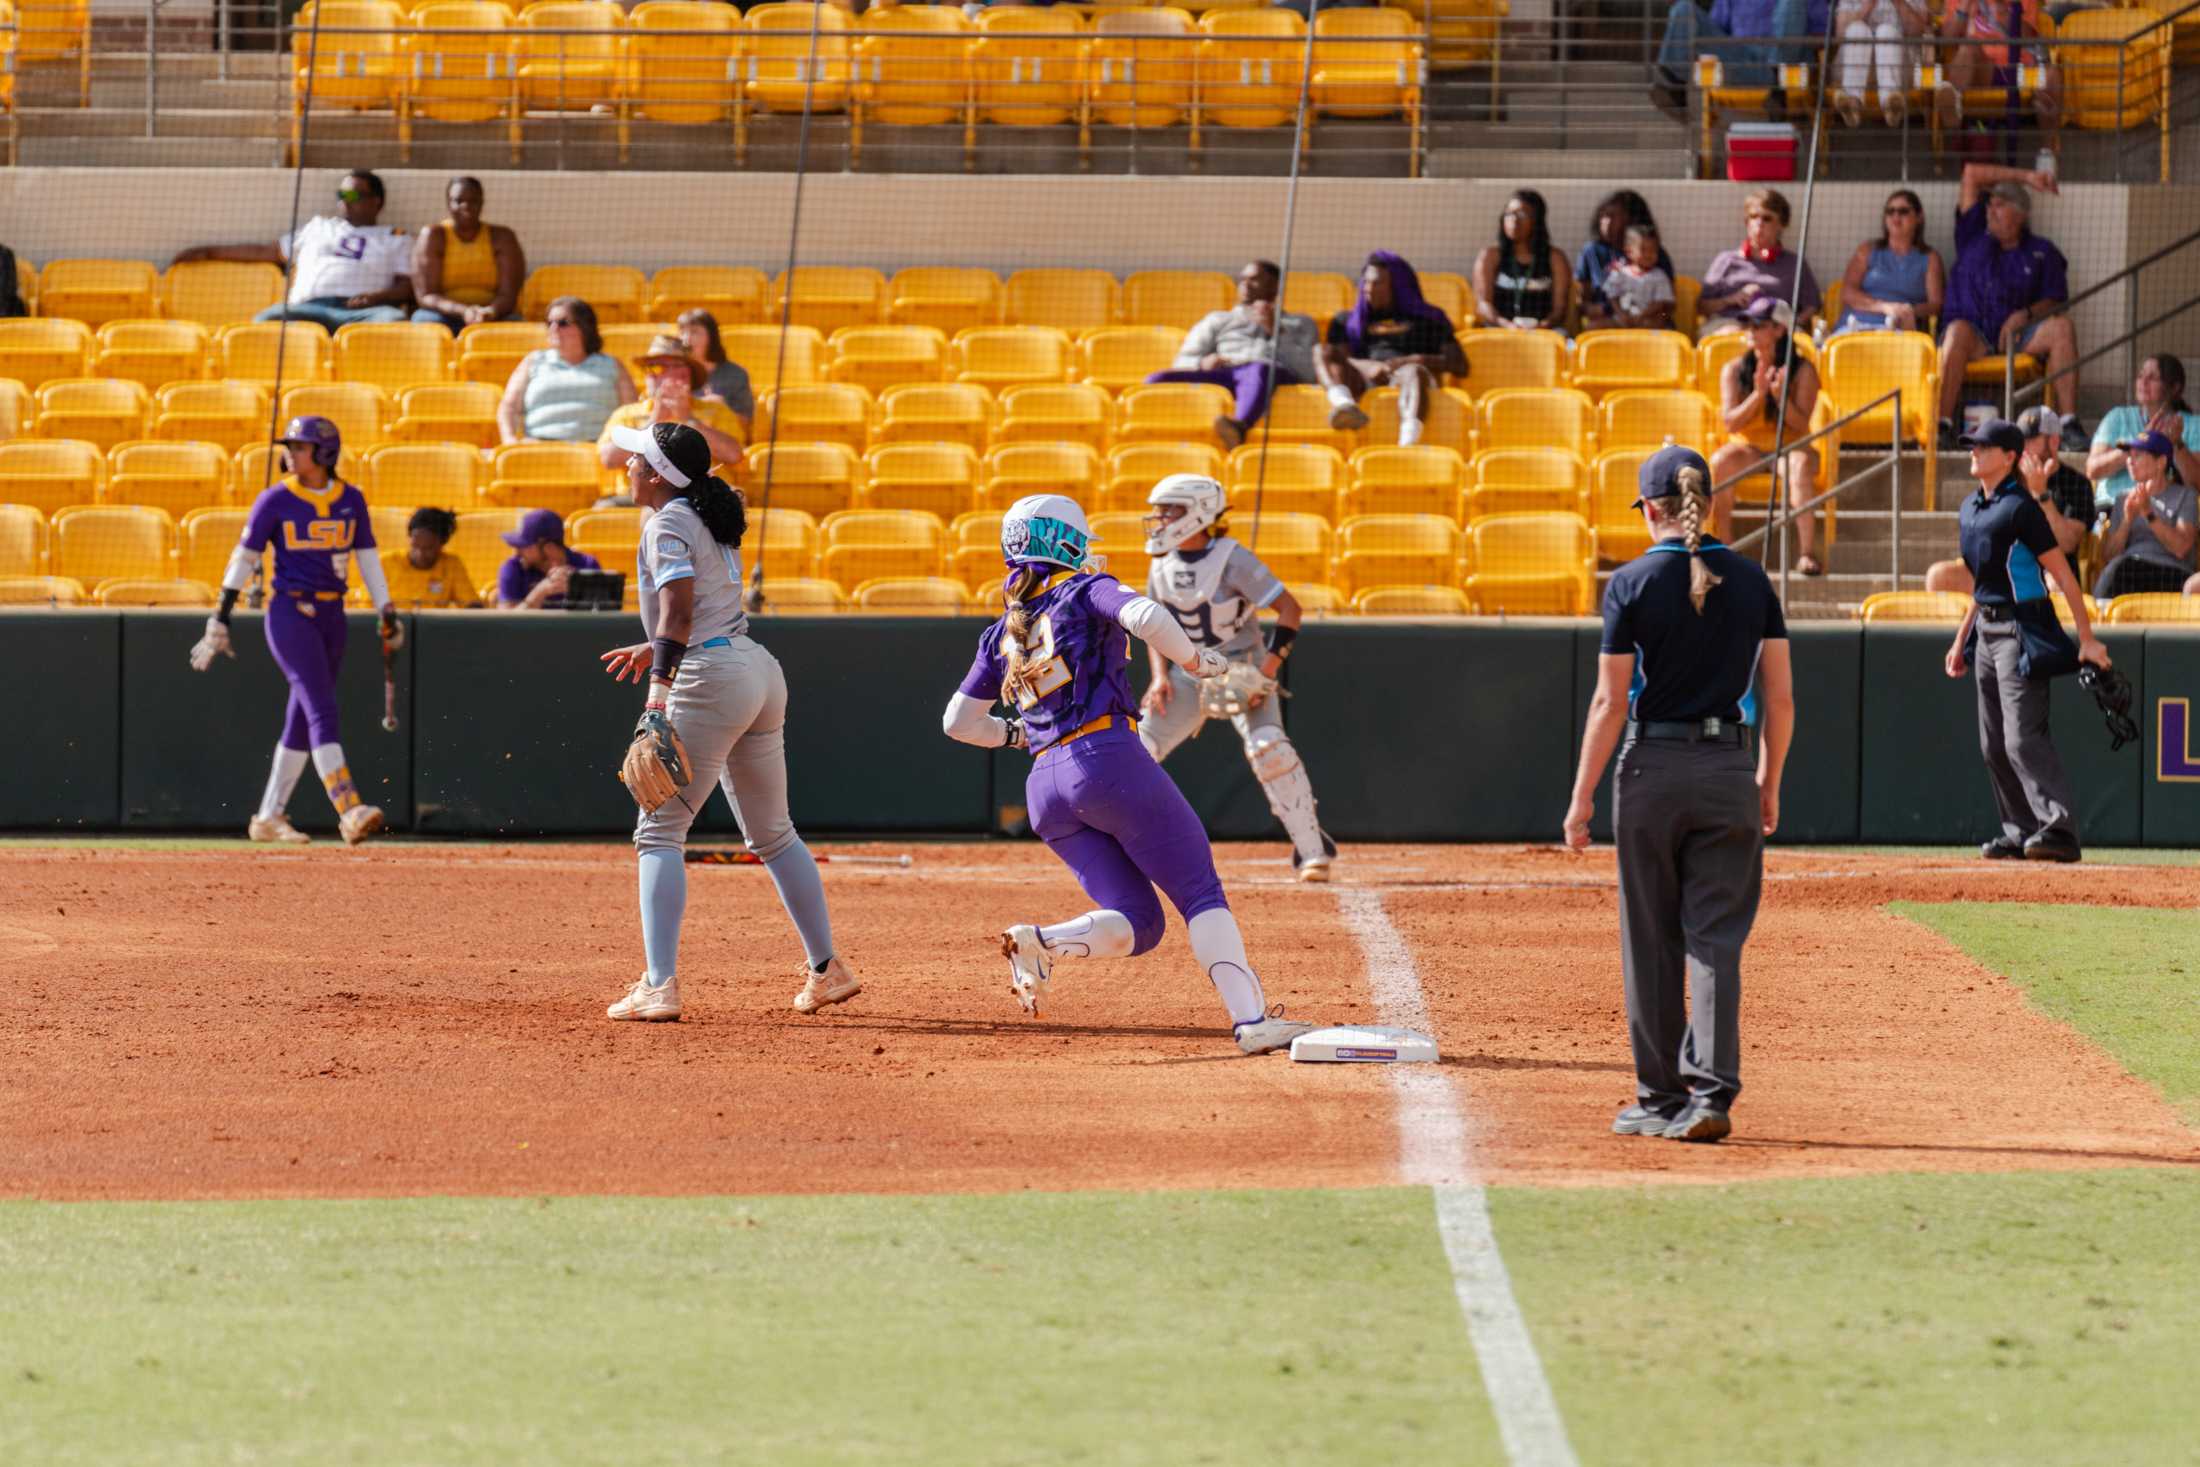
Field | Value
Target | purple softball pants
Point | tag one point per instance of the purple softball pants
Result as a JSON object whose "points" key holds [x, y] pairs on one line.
{"points": [[1248, 383], [306, 639]]}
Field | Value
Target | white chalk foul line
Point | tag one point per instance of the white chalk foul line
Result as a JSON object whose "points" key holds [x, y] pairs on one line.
{"points": [[1436, 1150]]}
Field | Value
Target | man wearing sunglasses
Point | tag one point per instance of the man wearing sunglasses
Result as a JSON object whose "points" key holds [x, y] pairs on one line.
{"points": [[347, 266]]}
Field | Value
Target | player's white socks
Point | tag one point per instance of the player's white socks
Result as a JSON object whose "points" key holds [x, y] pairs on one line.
{"points": [[282, 780], [1103, 934], [1220, 948], [1340, 396], [664, 902]]}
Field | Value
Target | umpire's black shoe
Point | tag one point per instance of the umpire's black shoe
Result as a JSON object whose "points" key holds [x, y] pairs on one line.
{"points": [[2002, 848], [2051, 845], [1638, 1120], [1700, 1123]]}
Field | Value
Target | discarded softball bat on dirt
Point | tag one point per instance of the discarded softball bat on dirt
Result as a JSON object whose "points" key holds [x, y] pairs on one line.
{"points": [[697, 857], [1362, 1044]]}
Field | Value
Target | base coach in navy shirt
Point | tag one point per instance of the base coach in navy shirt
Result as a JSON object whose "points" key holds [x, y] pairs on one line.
{"points": [[2011, 636], [1688, 627]]}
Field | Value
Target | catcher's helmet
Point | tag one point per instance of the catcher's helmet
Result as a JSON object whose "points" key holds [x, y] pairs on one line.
{"points": [[319, 435], [1204, 504], [1048, 528]]}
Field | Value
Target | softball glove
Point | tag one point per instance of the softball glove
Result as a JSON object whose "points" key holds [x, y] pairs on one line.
{"points": [[656, 765]]}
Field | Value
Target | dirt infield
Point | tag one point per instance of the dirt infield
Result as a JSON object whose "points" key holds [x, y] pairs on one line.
{"points": [[421, 1018]]}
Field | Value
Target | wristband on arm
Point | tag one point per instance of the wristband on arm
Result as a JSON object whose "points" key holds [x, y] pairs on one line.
{"points": [[664, 665], [1280, 639], [229, 604]]}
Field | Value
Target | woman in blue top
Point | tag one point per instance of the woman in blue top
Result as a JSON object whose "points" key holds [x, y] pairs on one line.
{"points": [[567, 391], [1896, 282]]}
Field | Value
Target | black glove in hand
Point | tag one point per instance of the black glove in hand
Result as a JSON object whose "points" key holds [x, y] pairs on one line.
{"points": [[2112, 691]]}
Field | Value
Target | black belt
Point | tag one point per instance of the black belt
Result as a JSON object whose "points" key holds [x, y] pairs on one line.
{"points": [[1695, 731]]}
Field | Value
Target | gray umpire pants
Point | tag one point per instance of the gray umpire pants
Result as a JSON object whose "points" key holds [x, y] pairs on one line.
{"points": [[730, 709], [1690, 837], [1186, 716], [2031, 788]]}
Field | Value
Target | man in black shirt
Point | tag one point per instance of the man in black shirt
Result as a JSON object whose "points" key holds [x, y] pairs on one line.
{"points": [[2062, 492], [1390, 338]]}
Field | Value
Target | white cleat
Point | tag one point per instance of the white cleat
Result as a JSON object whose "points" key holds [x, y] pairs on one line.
{"points": [[651, 1005], [360, 822], [1270, 1032], [835, 985], [1315, 867], [276, 830], [1029, 967]]}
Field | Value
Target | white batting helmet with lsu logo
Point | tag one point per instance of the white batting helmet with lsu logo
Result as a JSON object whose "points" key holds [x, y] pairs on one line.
{"points": [[1203, 502]]}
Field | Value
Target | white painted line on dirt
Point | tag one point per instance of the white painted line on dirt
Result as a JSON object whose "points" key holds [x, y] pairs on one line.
{"points": [[1436, 1150]]}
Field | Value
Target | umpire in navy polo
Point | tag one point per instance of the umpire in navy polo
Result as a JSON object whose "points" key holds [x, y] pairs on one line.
{"points": [[2011, 636], [1689, 626]]}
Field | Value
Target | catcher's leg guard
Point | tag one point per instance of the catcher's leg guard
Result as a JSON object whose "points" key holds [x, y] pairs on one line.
{"points": [[1290, 793]]}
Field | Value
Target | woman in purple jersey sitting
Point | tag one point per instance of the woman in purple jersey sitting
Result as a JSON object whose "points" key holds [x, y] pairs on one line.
{"points": [[1094, 794]]}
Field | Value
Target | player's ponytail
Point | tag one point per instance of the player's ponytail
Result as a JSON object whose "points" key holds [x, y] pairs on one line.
{"points": [[1017, 669], [720, 507], [1695, 499]]}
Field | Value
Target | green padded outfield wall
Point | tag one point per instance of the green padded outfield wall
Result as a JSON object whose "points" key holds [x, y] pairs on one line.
{"points": [[2168, 714], [62, 769]]}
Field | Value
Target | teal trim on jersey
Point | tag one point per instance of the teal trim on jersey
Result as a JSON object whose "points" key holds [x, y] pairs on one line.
{"points": [[2026, 581]]}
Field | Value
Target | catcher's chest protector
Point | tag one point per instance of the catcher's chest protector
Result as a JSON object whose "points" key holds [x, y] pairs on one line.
{"points": [[1186, 586]]}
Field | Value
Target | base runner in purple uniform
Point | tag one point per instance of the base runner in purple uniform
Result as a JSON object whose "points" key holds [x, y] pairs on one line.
{"points": [[314, 520], [1094, 794]]}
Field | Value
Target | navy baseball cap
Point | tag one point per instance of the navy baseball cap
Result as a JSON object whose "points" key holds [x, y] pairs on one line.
{"points": [[1660, 474], [2152, 441], [1995, 433], [536, 526]]}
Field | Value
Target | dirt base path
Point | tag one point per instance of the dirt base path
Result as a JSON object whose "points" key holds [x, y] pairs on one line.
{"points": [[427, 1019]]}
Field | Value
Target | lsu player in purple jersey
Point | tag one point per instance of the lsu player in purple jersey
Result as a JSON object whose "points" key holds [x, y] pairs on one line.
{"points": [[1095, 795], [314, 520]]}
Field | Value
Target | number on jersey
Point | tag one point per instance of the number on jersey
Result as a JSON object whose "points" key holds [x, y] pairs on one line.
{"points": [[1046, 672]]}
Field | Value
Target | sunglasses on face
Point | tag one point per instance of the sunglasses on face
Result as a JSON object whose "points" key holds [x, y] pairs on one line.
{"points": [[556, 323], [350, 195]]}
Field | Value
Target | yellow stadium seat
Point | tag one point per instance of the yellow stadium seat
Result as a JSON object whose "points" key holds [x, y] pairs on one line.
{"points": [[1014, 470], [625, 342], [617, 526], [941, 478], [1867, 364], [915, 74], [974, 547], [218, 293], [1942, 606], [93, 409], [857, 545], [1176, 298], [950, 298], [1249, 73], [256, 351], [780, 539], [1023, 79], [1141, 66], [53, 30], [1119, 544], [176, 477], [1067, 300], [22, 540], [257, 465], [1397, 550], [360, 410], [769, 361], [1412, 601], [1134, 468], [1527, 417], [17, 409], [1620, 532], [123, 592], [1000, 357], [1056, 412], [93, 542], [1533, 565], [231, 414], [346, 55], [1501, 359], [687, 80], [151, 353], [557, 476], [207, 536], [912, 595], [1317, 600], [1645, 417], [35, 351], [830, 297], [733, 294], [1295, 545], [98, 291], [2115, 78], [935, 412], [447, 412], [2152, 606], [460, 59], [1450, 422], [1461, 33], [1122, 357], [801, 596], [884, 357], [393, 355], [1370, 67], [51, 474], [568, 56], [1172, 411], [785, 70], [816, 478], [489, 351], [1449, 292], [41, 590], [1607, 360], [1527, 480], [1318, 295], [447, 475], [1299, 413], [1422, 478], [614, 292], [479, 544], [1296, 477], [821, 412], [26, 274]]}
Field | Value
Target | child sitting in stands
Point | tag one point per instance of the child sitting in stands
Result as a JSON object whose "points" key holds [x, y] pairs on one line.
{"points": [[1636, 292]]}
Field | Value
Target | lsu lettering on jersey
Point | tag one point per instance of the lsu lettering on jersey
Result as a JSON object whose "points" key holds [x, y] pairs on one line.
{"points": [[1216, 594], [313, 531], [1082, 652], [677, 547]]}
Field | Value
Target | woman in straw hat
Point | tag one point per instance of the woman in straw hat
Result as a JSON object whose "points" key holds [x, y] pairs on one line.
{"points": [[672, 389]]}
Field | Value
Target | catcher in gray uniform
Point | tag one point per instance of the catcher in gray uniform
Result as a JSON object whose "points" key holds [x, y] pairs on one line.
{"points": [[1216, 589]]}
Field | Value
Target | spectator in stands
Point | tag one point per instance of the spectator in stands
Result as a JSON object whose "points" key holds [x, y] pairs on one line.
{"points": [[1872, 34], [2062, 492], [2152, 535], [1231, 349], [1520, 282], [1894, 283], [2004, 282], [1608, 245], [568, 390], [11, 295], [428, 576], [465, 271], [1390, 337], [2159, 408], [1636, 292], [349, 266], [1999, 25], [536, 575], [675, 380], [1751, 389], [729, 381], [1759, 266], [1750, 38]]}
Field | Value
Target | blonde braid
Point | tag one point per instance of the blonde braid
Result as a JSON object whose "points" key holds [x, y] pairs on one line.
{"points": [[1695, 499], [1018, 673]]}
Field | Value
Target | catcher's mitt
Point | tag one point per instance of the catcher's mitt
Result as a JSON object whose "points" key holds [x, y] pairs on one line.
{"points": [[656, 765], [1240, 690], [2112, 690]]}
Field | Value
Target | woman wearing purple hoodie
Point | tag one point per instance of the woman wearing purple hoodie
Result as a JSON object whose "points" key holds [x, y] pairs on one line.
{"points": [[1390, 338]]}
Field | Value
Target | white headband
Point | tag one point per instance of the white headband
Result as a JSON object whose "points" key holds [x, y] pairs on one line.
{"points": [[644, 442]]}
